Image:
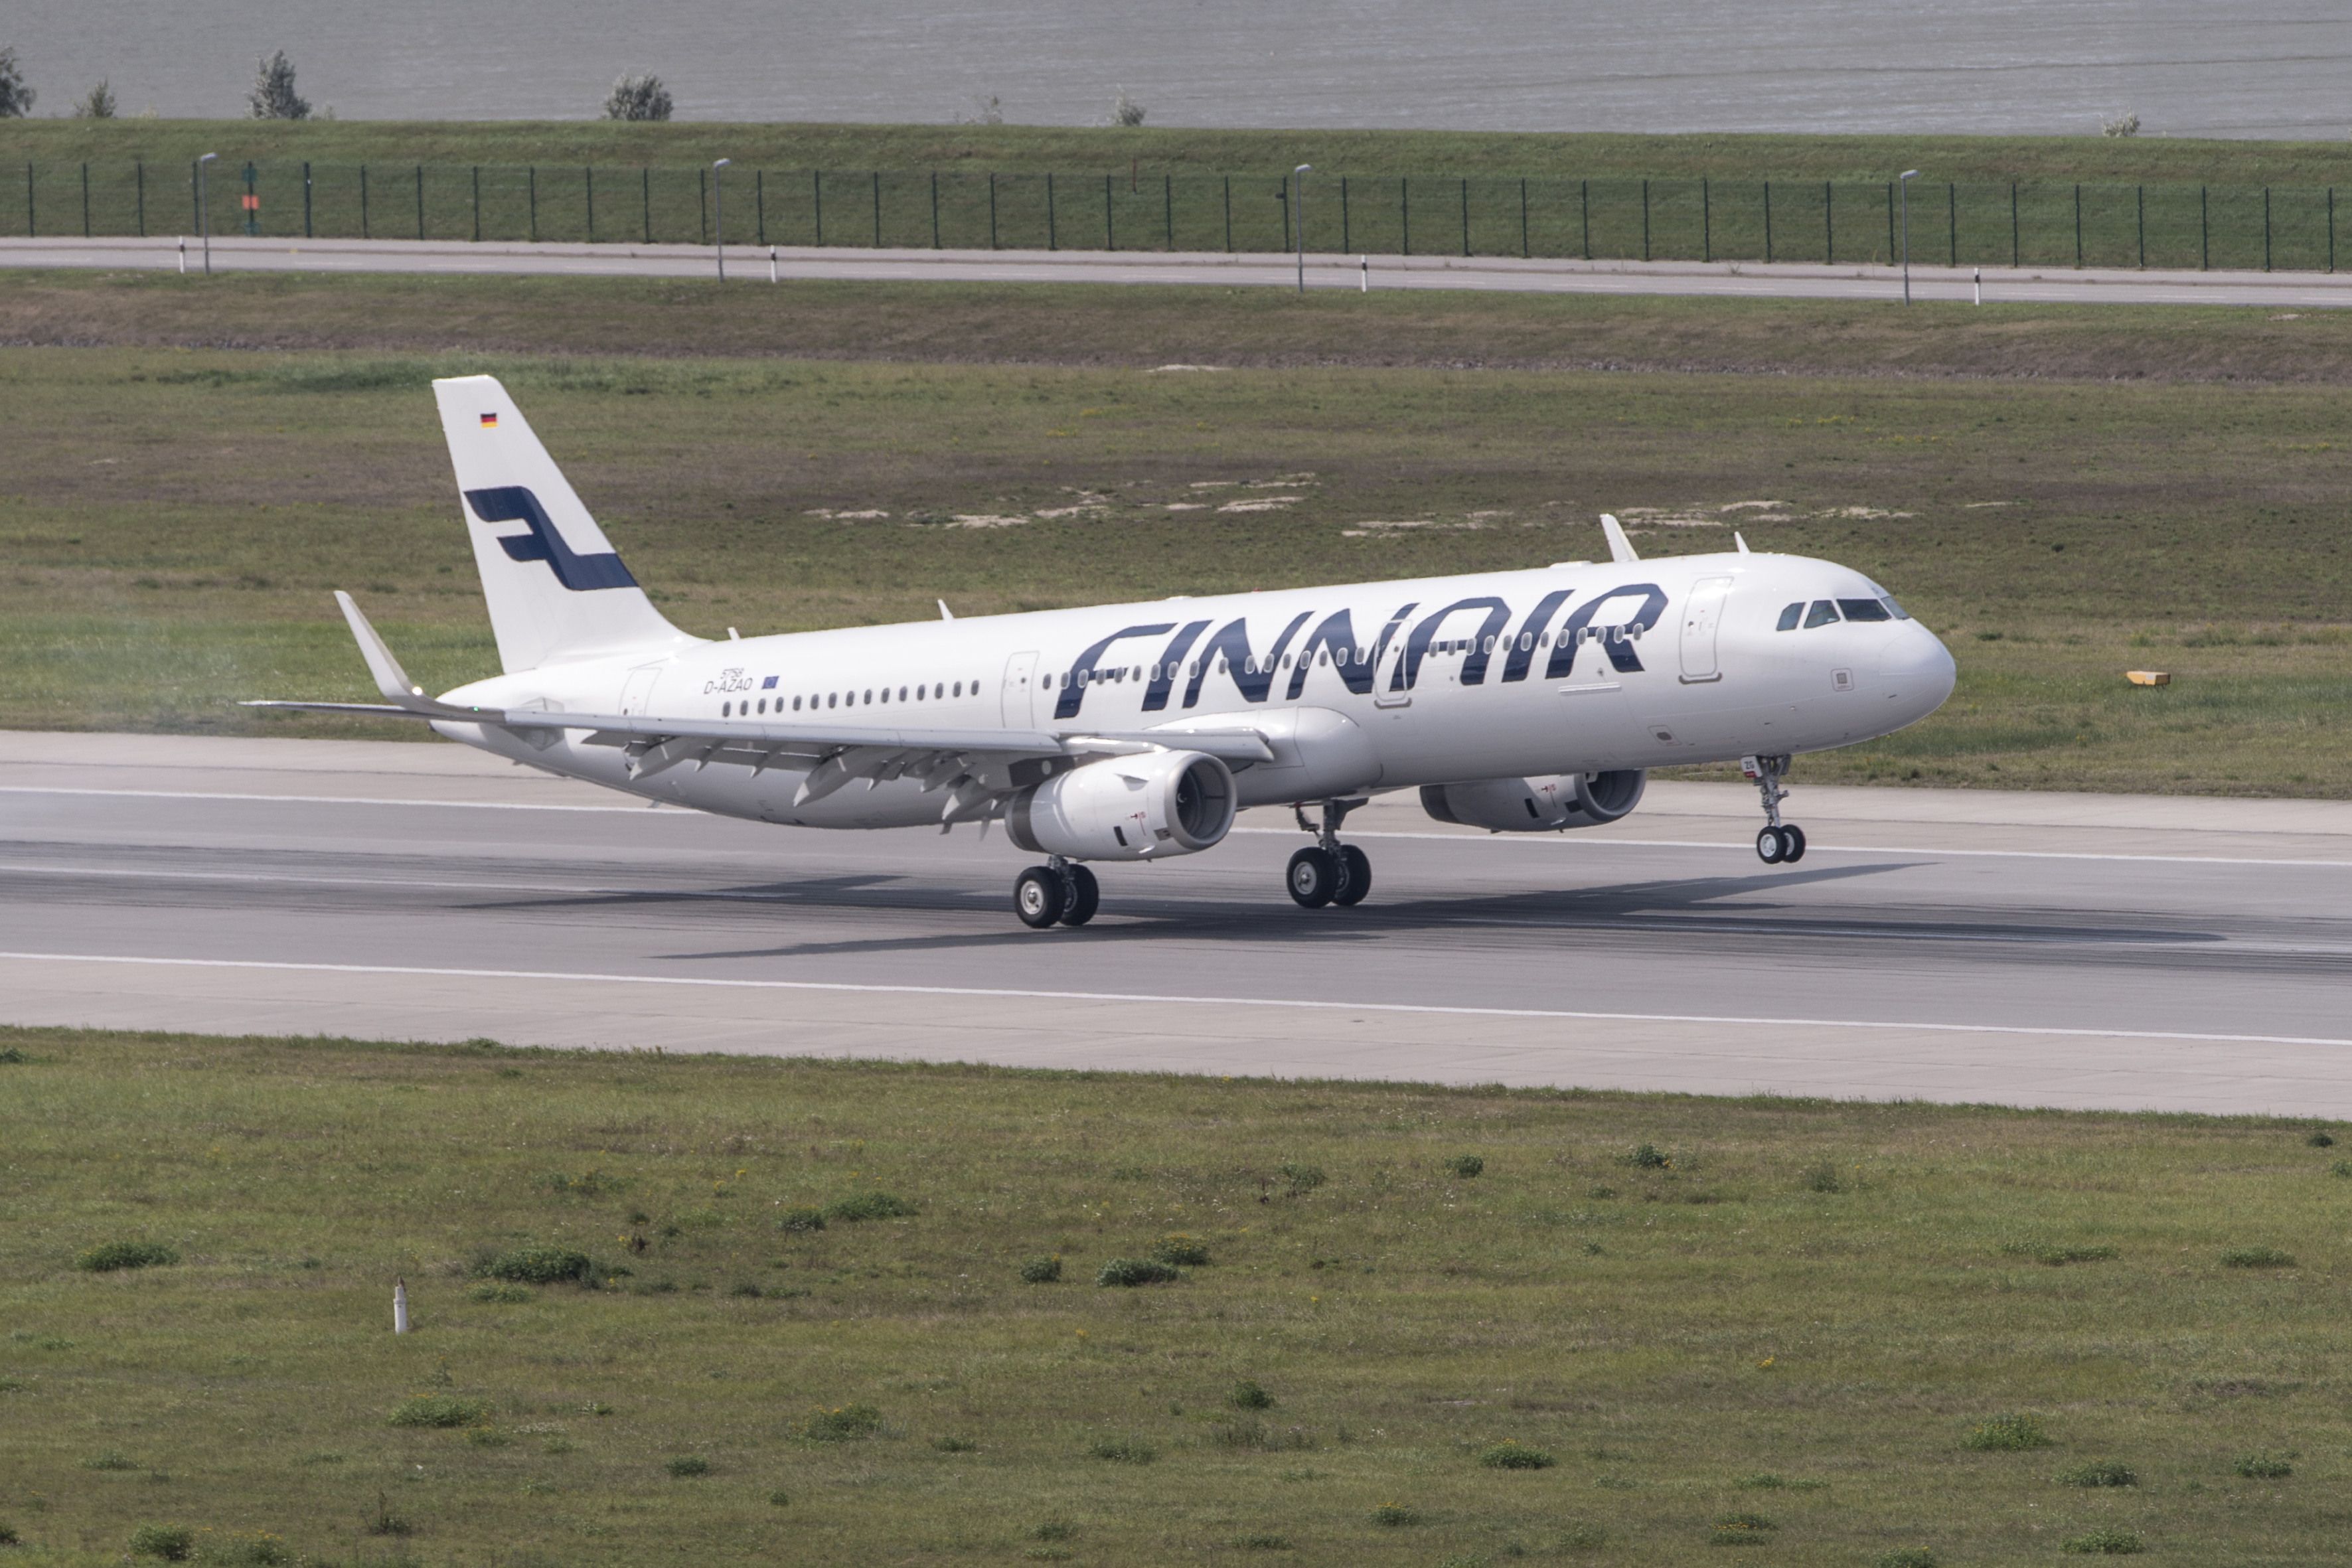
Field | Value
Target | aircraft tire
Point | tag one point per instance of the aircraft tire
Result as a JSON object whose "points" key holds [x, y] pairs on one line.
{"points": [[1086, 896], [1313, 878], [1770, 848], [1039, 897], [1355, 876], [1795, 837]]}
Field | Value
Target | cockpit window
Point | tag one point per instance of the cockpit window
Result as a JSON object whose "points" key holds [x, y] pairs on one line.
{"points": [[1823, 614], [1792, 616], [1863, 610], [1898, 611]]}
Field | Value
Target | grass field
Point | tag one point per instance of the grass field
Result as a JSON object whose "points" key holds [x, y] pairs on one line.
{"points": [[1700, 1324], [176, 517]]}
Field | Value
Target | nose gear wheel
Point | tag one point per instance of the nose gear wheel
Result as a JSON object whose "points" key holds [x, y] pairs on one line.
{"points": [[1780, 843]]}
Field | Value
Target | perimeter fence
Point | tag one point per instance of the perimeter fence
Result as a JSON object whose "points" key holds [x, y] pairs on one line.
{"points": [[1960, 223]]}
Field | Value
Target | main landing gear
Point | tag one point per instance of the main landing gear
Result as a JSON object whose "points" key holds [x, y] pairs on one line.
{"points": [[1329, 872], [1780, 843], [1059, 892]]}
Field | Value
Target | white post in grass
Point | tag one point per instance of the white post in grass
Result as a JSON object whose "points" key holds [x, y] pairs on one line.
{"points": [[1980, 285], [1363, 275], [772, 264], [183, 256], [400, 1306], [1908, 175], [1299, 216], [204, 208], [718, 207]]}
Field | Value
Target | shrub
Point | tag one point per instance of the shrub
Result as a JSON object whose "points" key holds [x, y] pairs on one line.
{"points": [[1124, 1451], [1181, 1249], [8, 1536], [1262, 1540], [172, 1542], [245, 1552], [499, 1291], [540, 1265], [1395, 1515], [1249, 1394], [110, 1460], [800, 1216], [1823, 1178], [1515, 1455], [639, 96], [118, 1254], [1647, 1157], [2099, 1476], [2341, 1168], [2264, 1467], [2321, 1139], [842, 1424], [12, 1056], [1125, 110], [2125, 125], [2257, 1257], [955, 1445], [2057, 1256], [1906, 1557], [273, 96], [2008, 1435], [1743, 1530], [1041, 1271], [688, 1465], [1132, 1271], [868, 1205], [2104, 1542], [1465, 1165], [780, 1499], [437, 1410], [1302, 1179], [1053, 1529]]}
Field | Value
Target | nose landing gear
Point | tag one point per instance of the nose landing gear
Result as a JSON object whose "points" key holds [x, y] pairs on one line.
{"points": [[1330, 872], [1060, 892], [1780, 843]]}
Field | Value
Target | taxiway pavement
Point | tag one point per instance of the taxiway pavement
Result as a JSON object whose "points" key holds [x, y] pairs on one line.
{"points": [[2060, 950]]}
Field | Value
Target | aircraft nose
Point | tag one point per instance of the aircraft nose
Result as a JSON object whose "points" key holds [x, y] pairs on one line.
{"points": [[1917, 672]]}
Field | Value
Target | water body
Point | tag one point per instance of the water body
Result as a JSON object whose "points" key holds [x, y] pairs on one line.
{"points": [[2187, 67]]}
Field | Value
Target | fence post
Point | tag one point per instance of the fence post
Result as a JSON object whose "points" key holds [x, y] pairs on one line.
{"points": [[2266, 228], [1584, 206], [1465, 216], [817, 200], [2014, 253], [364, 203], [1767, 223], [2204, 234], [139, 170], [991, 211], [935, 212], [1110, 235], [1706, 221], [420, 201], [877, 209], [306, 203], [1829, 224], [477, 204], [588, 184], [2140, 196], [1952, 218], [1524, 252], [1645, 220]]}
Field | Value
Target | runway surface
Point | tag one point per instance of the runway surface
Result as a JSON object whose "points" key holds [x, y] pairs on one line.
{"points": [[749, 264], [2048, 950]]}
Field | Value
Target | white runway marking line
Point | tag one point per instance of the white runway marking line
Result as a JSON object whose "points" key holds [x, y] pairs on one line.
{"points": [[1009, 994], [682, 813]]}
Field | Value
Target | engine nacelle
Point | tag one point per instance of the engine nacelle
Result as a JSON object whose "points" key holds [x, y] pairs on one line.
{"points": [[1127, 808], [1549, 804]]}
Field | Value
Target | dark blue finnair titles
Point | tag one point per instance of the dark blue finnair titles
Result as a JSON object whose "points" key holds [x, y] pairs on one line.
{"points": [[512, 503]]}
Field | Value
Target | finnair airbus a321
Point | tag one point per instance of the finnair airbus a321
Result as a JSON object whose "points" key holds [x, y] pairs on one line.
{"points": [[1520, 701]]}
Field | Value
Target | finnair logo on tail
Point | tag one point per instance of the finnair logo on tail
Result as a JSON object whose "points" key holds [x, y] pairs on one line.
{"points": [[512, 503]]}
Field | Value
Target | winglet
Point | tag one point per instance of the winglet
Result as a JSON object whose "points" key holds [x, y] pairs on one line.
{"points": [[1620, 547], [1740, 541], [945, 614], [390, 678]]}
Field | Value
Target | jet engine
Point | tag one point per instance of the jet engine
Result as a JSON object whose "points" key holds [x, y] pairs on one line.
{"points": [[1549, 804], [1127, 808]]}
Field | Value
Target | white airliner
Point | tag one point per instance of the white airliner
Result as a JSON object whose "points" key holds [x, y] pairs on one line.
{"points": [[1518, 701]]}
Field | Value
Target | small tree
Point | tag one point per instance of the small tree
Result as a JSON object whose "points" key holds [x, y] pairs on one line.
{"points": [[2124, 124], [1125, 110], [15, 96], [95, 104], [638, 97], [273, 96]]}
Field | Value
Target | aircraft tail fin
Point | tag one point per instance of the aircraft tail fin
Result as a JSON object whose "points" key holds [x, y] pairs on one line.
{"points": [[556, 588]]}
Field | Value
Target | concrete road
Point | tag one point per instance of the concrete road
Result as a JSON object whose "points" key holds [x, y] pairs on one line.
{"points": [[2048, 950], [1801, 280]]}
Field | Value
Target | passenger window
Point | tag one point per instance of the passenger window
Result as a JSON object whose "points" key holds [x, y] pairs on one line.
{"points": [[1823, 614], [885, 694], [796, 704], [902, 694], [1490, 645], [723, 710], [959, 688], [1863, 610], [1790, 616], [833, 699]]}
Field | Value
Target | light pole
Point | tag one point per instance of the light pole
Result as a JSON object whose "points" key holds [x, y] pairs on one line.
{"points": [[1298, 215], [204, 208], [1908, 175], [719, 210]]}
